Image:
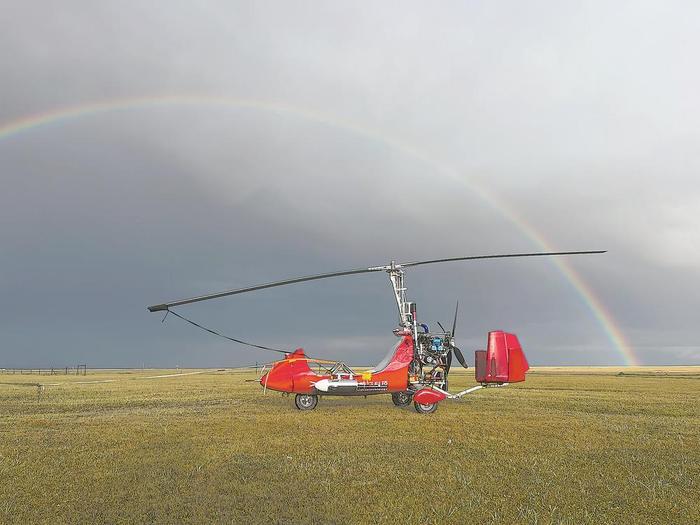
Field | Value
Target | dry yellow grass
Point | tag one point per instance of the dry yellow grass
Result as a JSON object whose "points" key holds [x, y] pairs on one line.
{"points": [[583, 445]]}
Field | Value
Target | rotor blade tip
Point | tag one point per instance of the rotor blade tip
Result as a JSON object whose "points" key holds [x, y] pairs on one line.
{"points": [[158, 308]]}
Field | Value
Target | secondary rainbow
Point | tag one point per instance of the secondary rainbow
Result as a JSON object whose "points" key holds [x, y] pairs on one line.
{"points": [[65, 114]]}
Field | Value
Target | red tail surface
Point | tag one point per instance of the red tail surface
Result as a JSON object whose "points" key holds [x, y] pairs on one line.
{"points": [[503, 361]]}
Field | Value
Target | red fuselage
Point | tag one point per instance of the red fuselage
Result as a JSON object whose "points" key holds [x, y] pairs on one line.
{"points": [[293, 375]]}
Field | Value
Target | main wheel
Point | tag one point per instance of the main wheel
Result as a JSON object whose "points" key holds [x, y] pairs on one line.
{"points": [[428, 408], [402, 399], [306, 401]]}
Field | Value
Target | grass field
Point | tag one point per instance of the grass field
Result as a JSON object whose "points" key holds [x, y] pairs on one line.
{"points": [[583, 445]]}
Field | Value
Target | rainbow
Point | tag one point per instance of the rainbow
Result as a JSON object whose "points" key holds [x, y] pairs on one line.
{"points": [[68, 113]]}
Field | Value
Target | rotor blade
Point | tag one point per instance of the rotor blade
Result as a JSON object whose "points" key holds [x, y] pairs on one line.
{"points": [[454, 323], [165, 306], [498, 256]]}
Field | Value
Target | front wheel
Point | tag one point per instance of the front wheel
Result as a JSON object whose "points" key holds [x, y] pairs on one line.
{"points": [[401, 399], [427, 408], [306, 401]]}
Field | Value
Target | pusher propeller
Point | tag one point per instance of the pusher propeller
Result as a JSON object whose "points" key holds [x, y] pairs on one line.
{"points": [[453, 349], [457, 351], [454, 322]]}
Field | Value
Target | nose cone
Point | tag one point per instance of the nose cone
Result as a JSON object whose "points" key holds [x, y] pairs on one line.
{"points": [[278, 379]]}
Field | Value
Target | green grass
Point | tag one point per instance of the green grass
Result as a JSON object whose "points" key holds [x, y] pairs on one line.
{"points": [[567, 446]]}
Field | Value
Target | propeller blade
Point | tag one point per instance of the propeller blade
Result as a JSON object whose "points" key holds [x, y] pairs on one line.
{"points": [[454, 323], [460, 357], [384, 268], [441, 327], [448, 365]]}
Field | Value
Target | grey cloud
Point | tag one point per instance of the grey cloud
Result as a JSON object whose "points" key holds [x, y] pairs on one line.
{"points": [[583, 119]]}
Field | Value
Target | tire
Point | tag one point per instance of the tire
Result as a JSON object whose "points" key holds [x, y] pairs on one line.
{"points": [[402, 399], [425, 409], [306, 401]]}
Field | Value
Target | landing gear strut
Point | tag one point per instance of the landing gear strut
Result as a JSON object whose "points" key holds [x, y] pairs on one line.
{"points": [[306, 401]]}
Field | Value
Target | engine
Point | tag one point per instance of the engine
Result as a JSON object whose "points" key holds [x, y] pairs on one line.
{"points": [[432, 359]]}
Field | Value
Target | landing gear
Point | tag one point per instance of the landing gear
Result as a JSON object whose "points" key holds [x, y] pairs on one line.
{"points": [[428, 408], [306, 401], [402, 399]]}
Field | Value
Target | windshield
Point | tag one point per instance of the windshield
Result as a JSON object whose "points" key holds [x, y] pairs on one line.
{"points": [[387, 358]]}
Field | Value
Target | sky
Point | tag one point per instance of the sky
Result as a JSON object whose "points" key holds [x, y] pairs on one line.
{"points": [[153, 151]]}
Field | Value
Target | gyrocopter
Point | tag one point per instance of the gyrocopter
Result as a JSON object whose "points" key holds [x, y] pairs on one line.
{"points": [[417, 367]]}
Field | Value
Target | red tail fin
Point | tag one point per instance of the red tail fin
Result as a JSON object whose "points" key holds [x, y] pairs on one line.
{"points": [[503, 361]]}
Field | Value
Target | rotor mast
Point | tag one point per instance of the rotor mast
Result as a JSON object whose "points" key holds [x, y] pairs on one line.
{"points": [[396, 275]]}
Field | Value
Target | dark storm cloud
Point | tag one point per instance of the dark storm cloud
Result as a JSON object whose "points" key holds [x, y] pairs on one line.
{"points": [[583, 119]]}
